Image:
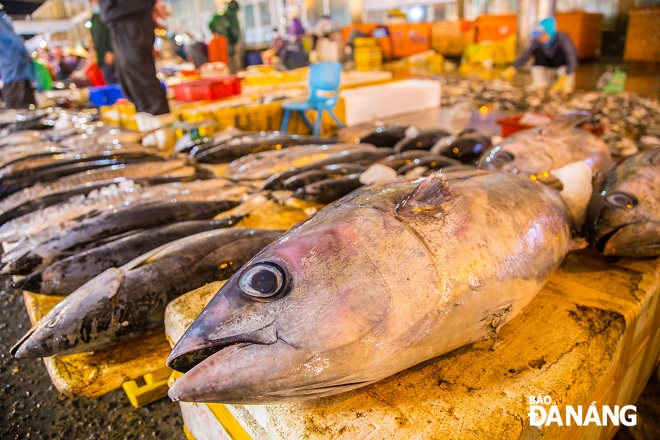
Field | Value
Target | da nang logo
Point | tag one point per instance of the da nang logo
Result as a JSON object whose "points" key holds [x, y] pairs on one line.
{"points": [[544, 412]]}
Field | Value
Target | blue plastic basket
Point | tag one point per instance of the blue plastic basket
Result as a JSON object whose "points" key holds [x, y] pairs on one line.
{"points": [[105, 95]]}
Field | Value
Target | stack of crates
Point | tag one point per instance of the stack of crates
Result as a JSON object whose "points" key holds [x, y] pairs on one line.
{"points": [[368, 55]]}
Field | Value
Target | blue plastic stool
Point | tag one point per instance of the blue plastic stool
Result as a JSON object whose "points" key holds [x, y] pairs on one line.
{"points": [[324, 81]]}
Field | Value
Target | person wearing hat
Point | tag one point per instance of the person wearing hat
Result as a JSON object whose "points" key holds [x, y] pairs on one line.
{"points": [[553, 52]]}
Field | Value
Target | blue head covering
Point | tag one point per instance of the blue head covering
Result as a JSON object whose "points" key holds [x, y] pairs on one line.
{"points": [[549, 26]]}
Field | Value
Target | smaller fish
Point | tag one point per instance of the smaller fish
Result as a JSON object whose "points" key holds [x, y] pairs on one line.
{"points": [[357, 157], [127, 302], [397, 160], [118, 221], [430, 162], [623, 217], [240, 146], [328, 190], [10, 185], [67, 275], [328, 172], [467, 147], [263, 165], [421, 140]]}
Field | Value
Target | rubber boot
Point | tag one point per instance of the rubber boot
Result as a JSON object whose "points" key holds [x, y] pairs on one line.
{"points": [[539, 78], [163, 139]]}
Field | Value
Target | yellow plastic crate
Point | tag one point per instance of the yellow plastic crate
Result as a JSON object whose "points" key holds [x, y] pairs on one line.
{"points": [[127, 115], [261, 117], [110, 114]]}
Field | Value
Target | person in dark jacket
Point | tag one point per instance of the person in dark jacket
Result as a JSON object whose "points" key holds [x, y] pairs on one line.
{"points": [[105, 57], [131, 24], [552, 51], [15, 67]]}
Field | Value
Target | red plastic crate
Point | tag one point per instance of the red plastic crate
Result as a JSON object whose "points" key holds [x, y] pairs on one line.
{"points": [[511, 125], [207, 89]]}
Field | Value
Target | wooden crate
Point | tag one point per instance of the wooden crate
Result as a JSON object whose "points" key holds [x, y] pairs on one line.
{"points": [[590, 335], [584, 30], [643, 35]]}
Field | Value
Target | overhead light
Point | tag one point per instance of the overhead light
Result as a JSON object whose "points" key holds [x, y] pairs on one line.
{"points": [[416, 13]]}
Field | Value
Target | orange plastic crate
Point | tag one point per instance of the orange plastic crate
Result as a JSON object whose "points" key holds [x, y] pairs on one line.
{"points": [[410, 39], [584, 30], [495, 27], [367, 28]]}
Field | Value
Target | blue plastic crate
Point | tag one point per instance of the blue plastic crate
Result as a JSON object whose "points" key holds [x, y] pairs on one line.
{"points": [[105, 95]]}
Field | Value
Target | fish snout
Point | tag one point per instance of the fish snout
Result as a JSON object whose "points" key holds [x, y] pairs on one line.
{"points": [[192, 348]]}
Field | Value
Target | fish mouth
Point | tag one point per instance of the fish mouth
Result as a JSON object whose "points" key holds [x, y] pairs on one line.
{"points": [[19, 349], [190, 351], [601, 242]]}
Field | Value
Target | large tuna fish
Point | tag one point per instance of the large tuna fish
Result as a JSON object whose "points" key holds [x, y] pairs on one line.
{"points": [[623, 218], [129, 301], [384, 279], [538, 151]]}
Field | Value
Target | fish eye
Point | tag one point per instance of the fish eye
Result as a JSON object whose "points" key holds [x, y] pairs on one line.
{"points": [[621, 200], [263, 281], [655, 158], [504, 156]]}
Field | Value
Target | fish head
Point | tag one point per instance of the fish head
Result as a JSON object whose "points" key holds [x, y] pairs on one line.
{"points": [[61, 330], [623, 217], [521, 154], [468, 147], [305, 318]]}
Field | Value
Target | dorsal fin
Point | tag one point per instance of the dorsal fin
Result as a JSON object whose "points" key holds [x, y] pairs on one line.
{"points": [[428, 197], [565, 122]]}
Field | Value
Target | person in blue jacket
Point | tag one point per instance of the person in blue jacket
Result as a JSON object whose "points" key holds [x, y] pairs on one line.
{"points": [[553, 53], [15, 67]]}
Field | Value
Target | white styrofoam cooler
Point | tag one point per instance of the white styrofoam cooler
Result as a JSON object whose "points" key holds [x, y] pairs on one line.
{"points": [[371, 103]]}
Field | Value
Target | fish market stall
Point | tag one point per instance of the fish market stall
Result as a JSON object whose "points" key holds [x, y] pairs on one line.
{"points": [[588, 335]]}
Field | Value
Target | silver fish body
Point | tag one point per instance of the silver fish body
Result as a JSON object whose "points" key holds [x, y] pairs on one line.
{"points": [[385, 278]]}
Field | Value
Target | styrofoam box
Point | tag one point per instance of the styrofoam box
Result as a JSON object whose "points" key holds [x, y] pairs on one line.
{"points": [[366, 104]]}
